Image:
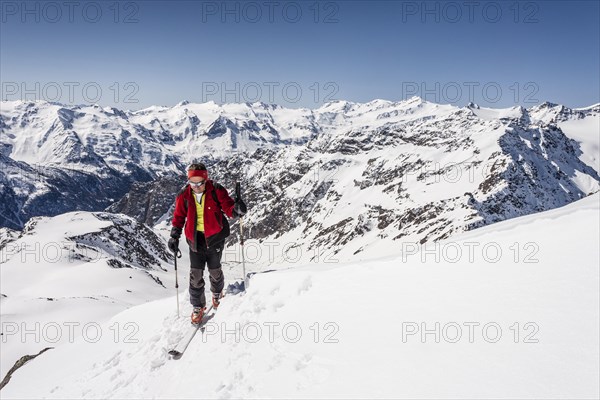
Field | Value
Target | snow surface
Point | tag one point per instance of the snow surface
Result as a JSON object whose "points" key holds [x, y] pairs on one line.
{"points": [[48, 279], [587, 133], [365, 311], [497, 113]]}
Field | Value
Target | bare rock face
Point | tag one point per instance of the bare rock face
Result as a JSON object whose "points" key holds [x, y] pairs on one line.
{"points": [[129, 243], [20, 362], [148, 201]]}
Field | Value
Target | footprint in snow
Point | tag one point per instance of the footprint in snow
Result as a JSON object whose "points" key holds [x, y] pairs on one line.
{"points": [[113, 361], [155, 338], [305, 285], [277, 360], [157, 363], [277, 305], [303, 362], [224, 391], [117, 374]]}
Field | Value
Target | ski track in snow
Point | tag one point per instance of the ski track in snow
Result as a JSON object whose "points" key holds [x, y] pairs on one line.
{"points": [[114, 378]]}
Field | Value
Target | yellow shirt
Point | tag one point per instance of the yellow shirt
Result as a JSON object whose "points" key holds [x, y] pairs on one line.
{"points": [[199, 213]]}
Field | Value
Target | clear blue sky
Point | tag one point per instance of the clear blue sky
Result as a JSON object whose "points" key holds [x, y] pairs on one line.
{"points": [[161, 52]]}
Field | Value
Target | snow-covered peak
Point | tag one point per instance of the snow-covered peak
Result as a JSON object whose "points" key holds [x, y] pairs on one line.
{"points": [[592, 108], [336, 106], [546, 112], [378, 103], [491, 114]]}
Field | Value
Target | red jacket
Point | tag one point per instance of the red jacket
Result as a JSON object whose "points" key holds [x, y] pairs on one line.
{"points": [[216, 227]]}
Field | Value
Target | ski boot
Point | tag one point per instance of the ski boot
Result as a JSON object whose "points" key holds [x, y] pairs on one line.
{"points": [[197, 315], [216, 299]]}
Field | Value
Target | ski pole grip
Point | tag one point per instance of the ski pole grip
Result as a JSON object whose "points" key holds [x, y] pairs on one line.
{"points": [[238, 190]]}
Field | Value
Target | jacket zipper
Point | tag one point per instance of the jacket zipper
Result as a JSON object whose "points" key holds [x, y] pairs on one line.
{"points": [[194, 245]]}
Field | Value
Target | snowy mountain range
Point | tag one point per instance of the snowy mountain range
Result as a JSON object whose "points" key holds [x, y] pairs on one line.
{"points": [[316, 179]]}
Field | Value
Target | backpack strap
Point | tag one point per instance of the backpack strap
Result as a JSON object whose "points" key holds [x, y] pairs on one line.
{"points": [[214, 193], [185, 202]]}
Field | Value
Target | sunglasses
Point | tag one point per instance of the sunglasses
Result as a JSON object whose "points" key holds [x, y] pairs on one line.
{"points": [[197, 184]]}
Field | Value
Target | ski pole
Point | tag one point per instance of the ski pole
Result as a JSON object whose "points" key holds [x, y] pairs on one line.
{"points": [[243, 258], [176, 255], [238, 195]]}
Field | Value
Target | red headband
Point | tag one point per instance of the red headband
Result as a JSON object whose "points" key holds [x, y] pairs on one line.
{"points": [[198, 172]]}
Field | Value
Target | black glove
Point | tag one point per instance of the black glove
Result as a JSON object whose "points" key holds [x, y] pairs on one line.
{"points": [[173, 245], [239, 208], [174, 241], [175, 232]]}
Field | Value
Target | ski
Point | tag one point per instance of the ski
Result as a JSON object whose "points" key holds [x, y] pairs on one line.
{"points": [[178, 351]]}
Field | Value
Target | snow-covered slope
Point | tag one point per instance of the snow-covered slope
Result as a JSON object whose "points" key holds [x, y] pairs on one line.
{"points": [[77, 267], [517, 305], [578, 124]]}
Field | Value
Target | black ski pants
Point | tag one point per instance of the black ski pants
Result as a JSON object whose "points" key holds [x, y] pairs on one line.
{"points": [[210, 257]]}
